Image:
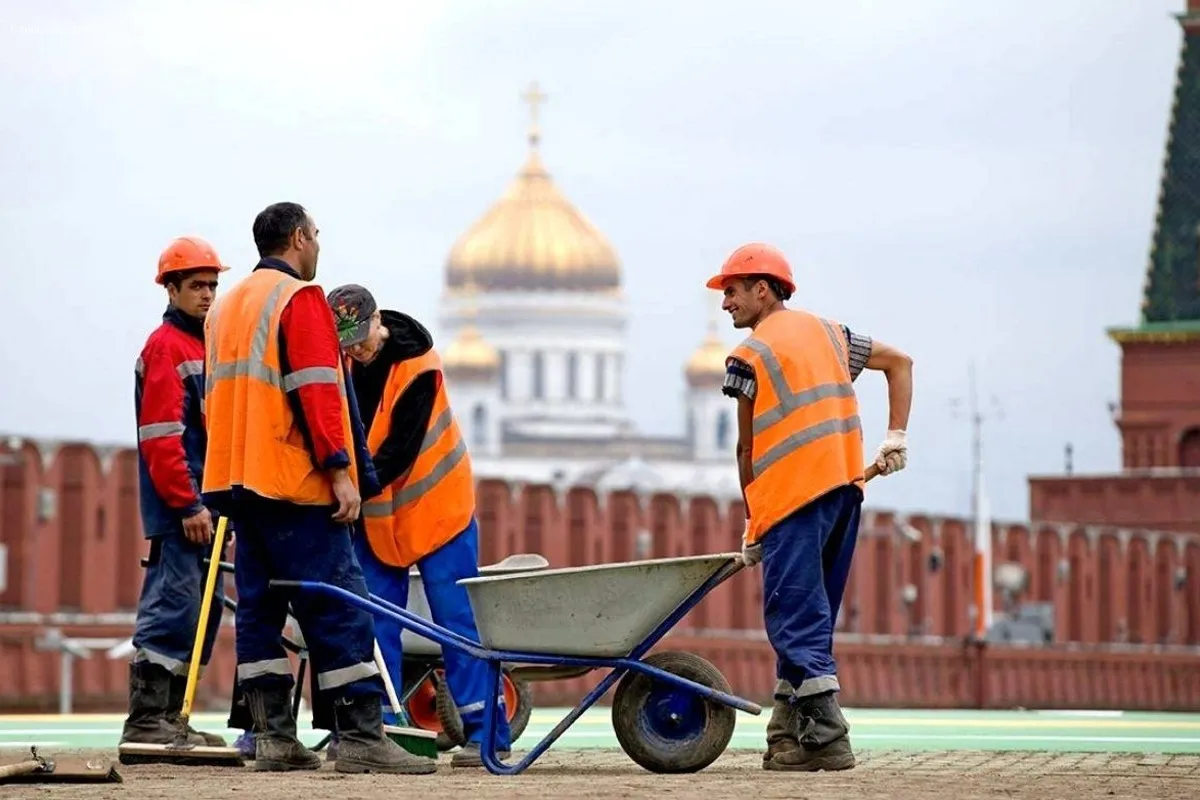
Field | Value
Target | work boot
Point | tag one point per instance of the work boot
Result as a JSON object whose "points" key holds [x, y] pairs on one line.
{"points": [[362, 745], [331, 749], [276, 748], [469, 756], [178, 689], [783, 729], [824, 739], [149, 700]]}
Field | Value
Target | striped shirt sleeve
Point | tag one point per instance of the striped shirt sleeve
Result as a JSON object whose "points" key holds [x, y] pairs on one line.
{"points": [[739, 377]]}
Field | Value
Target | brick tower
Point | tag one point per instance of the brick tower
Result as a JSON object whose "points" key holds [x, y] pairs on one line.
{"points": [[1159, 415]]}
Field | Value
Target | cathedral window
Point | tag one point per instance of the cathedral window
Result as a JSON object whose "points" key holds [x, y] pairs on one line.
{"points": [[572, 376], [539, 376], [600, 376], [723, 430], [504, 374], [479, 426]]}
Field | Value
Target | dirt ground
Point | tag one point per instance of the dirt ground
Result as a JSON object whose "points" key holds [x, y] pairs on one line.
{"points": [[737, 774]]}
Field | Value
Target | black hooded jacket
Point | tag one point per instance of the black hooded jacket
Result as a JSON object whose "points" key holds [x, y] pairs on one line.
{"points": [[407, 338]]}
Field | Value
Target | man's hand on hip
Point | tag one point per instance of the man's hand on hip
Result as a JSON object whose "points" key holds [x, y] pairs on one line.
{"points": [[893, 453], [349, 502]]}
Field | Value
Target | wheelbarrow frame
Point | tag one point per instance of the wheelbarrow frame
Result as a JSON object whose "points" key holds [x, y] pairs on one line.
{"points": [[617, 667]]}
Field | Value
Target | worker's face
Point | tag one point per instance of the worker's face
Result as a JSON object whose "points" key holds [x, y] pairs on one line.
{"points": [[365, 351], [744, 301], [195, 293], [307, 245]]}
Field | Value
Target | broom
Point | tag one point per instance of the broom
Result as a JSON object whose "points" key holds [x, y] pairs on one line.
{"points": [[180, 751], [73, 770], [417, 741]]}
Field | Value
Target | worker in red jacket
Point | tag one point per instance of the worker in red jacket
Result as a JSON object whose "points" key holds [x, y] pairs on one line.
{"points": [[169, 391]]}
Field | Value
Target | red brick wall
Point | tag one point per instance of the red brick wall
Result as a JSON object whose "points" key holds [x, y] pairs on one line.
{"points": [[69, 518]]}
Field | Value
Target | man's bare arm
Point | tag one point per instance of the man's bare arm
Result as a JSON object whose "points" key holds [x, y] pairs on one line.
{"points": [[896, 367], [745, 456]]}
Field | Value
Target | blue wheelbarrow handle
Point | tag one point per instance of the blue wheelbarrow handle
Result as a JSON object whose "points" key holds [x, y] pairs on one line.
{"points": [[447, 638]]}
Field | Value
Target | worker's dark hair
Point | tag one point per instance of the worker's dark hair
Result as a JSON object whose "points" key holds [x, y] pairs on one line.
{"points": [[274, 225], [773, 284], [176, 279]]}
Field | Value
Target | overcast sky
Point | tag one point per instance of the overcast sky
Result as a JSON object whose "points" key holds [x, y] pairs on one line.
{"points": [[964, 180]]}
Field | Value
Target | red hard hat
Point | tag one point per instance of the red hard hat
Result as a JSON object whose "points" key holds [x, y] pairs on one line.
{"points": [[755, 258], [188, 252]]}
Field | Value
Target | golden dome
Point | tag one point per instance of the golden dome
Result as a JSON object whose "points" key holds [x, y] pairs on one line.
{"points": [[707, 364], [470, 353], [533, 238]]}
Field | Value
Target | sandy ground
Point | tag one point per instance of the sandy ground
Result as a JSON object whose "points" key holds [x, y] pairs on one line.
{"points": [[737, 774]]}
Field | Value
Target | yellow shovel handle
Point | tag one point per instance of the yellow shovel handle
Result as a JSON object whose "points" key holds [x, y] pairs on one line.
{"points": [[210, 585]]}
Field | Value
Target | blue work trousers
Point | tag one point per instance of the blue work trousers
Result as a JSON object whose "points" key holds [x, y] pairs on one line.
{"points": [[275, 541], [806, 562], [451, 609], [169, 607]]}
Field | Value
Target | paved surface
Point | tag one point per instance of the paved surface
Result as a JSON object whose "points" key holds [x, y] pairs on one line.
{"points": [[875, 730], [596, 773]]}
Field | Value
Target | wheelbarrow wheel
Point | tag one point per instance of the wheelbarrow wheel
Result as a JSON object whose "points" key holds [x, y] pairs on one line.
{"points": [[668, 729], [518, 704], [423, 708]]}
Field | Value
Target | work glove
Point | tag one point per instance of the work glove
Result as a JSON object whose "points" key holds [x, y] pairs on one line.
{"points": [[751, 553], [893, 453]]}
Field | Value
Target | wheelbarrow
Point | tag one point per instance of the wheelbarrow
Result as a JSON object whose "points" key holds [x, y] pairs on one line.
{"points": [[424, 691], [673, 712]]}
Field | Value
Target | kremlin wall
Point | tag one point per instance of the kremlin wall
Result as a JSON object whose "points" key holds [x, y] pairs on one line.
{"points": [[1125, 620]]}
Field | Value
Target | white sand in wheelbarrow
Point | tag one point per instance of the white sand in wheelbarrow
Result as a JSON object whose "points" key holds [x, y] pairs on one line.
{"points": [[601, 611]]}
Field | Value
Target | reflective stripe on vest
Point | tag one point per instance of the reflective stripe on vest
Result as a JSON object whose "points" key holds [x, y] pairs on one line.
{"points": [[254, 438], [434, 501], [806, 429], [417, 489]]}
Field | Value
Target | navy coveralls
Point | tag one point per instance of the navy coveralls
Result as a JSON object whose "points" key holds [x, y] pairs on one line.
{"points": [[171, 442]]}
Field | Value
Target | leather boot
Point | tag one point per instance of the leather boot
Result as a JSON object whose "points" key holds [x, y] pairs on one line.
{"points": [[149, 702], [276, 748], [783, 728], [824, 738], [178, 689], [362, 745]]}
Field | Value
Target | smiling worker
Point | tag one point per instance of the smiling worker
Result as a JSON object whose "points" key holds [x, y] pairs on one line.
{"points": [[800, 460]]}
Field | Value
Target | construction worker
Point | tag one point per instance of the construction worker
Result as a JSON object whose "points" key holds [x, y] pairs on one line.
{"points": [[424, 513], [800, 459], [281, 462], [168, 397]]}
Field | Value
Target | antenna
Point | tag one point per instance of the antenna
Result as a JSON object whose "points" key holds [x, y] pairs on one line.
{"points": [[980, 512]]}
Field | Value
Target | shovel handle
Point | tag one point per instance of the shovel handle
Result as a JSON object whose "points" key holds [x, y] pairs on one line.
{"points": [[210, 585], [871, 471]]}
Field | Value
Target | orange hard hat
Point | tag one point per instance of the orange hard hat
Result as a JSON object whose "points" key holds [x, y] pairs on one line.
{"points": [[755, 258], [188, 252]]}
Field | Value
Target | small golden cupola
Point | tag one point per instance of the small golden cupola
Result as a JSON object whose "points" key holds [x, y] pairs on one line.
{"points": [[470, 356], [706, 367], [533, 238]]}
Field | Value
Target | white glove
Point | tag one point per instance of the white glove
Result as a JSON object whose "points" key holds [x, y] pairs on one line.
{"points": [[893, 453], [751, 553]]}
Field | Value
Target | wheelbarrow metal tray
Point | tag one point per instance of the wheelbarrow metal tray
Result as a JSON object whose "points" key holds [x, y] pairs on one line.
{"points": [[601, 611], [414, 644]]}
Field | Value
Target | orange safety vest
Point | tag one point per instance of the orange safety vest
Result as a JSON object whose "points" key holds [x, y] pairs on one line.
{"points": [[433, 502], [807, 438], [254, 441]]}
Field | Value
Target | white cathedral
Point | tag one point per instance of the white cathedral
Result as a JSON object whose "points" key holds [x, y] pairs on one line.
{"points": [[536, 316]]}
